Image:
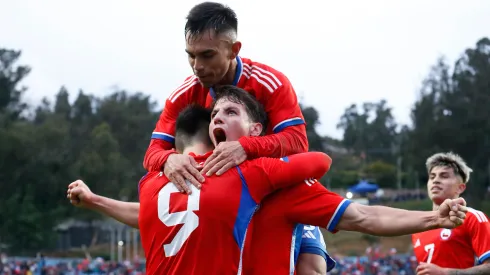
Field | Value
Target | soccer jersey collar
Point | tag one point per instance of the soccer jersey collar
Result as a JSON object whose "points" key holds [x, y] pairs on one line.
{"points": [[200, 158], [238, 73]]}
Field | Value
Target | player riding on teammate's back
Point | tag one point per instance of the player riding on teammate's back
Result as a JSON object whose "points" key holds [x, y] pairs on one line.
{"points": [[213, 54]]}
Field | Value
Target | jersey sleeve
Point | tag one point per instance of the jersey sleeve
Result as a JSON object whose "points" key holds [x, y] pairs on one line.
{"points": [[312, 242], [165, 128], [479, 230], [311, 203], [282, 105], [265, 175], [163, 136]]}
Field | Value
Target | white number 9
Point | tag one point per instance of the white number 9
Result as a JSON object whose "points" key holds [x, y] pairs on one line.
{"points": [[187, 217]]}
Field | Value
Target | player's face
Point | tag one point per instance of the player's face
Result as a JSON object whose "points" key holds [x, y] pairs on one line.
{"points": [[230, 121], [444, 184], [211, 56]]}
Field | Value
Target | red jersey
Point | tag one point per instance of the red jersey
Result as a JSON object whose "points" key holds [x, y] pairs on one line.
{"points": [[458, 247], [278, 225], [204, 232], [267, 85]]}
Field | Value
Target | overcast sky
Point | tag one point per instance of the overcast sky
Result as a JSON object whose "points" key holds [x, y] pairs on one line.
{"points": [[340, 53]]}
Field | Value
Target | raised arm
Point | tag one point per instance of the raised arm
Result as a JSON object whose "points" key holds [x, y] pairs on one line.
{"points": [[387, 221], [125, 212]]}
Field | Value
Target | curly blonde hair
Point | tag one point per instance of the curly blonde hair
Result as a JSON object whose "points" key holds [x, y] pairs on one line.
{"points": [[451, 160]]}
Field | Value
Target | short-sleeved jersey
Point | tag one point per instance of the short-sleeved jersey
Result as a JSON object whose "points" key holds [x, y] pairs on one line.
{"points": [[269, 86], [312, 242], [204, 232], [278, 225], [458, 247]]}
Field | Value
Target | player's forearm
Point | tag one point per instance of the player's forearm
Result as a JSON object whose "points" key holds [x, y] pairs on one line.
{"points": [[291, 140], [387, 221], [476, 270], [124, 212], [157, 154], [303, 166]]}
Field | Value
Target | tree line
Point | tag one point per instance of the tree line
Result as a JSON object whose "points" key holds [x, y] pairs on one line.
{"points": [[103, 140]]}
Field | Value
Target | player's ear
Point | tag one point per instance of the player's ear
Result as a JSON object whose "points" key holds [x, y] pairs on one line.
{"points": [[235, 49], [255, 129], [461, 188]]}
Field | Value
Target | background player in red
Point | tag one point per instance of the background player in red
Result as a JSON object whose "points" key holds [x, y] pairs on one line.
{"points": [[452, 251], [213, 48], [214, 220]]}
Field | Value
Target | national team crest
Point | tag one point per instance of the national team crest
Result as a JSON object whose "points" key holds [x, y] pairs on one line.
{"points": [[445, 234]]}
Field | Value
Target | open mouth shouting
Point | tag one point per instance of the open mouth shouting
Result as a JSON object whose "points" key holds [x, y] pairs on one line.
{"points": [[219, 135]]}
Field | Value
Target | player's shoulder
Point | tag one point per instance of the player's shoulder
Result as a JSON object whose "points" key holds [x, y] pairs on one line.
{"points": [[150, 181], [190, 84], [264, 75], [476, 216]]}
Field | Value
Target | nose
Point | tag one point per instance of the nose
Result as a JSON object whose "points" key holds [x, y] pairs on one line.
{"points": [[198, 66], [217, 119]]}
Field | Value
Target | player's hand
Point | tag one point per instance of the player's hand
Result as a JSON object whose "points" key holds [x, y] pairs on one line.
{"points": [[79, 194], [179, 168], [430, 269], [225, 156], [452, 213]]}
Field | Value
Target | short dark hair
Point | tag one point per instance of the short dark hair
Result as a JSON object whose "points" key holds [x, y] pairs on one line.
{"points": [[254, 108], [210, 16], [192, 124]]}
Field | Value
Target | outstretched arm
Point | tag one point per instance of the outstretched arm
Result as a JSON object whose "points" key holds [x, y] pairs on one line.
{"points": [[387, 221], [125, 212]]}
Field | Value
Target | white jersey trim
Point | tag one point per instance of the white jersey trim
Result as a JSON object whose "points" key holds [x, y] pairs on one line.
{"points": [[183, 88], [484, 256], [337, 214], [266, 78], [478, 214]]}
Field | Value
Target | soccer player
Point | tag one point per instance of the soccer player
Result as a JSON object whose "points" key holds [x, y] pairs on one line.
{"points": [[198, 233], [452, 251], [213, 53]]}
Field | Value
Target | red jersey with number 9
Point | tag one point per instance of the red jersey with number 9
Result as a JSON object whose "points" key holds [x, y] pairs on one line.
{"points": [[204, 232], [460, 247]]}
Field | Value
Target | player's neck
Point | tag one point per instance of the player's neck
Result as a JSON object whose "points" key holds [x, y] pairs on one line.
{"points": [[198, 149], [230, 75]]}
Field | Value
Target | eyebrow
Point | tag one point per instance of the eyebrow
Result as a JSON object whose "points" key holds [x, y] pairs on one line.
{"points": [[228, 108], [208, 51]]}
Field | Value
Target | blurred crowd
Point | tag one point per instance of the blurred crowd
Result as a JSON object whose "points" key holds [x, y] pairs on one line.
{"points": [[376, 263], [373, 263], [53, 266]]}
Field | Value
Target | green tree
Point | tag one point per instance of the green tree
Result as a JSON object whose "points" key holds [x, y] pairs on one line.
{"points": [[452, 115], [370, 131]]}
